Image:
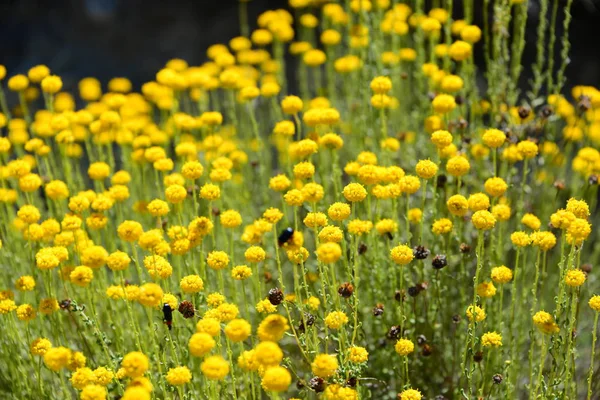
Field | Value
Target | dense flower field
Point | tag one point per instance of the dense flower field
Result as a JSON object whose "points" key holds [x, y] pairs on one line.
{"points": [[390, 222]]}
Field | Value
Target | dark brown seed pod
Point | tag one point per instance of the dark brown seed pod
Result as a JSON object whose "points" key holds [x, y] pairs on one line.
{"points": [[352, 381], [346, 290], [546, 111], [456, 318], [559, 185], [584, 104], [394, 332], [362, 249], [459, 100], [268, 277], [587, 268], [186, 308], [465, 248], [524, 112], [439, 261], [420, 252], [593, 180], [275, 296], [316, 384], [441, 181], [65, 304], [426, 350], [413, 291], [399, 295], [497, 379], [421, 340], [478, 357], [378, 310], [216, 212]]}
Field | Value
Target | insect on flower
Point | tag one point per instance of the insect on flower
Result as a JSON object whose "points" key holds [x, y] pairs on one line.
{"points": [[285, 236], [168, 315]]}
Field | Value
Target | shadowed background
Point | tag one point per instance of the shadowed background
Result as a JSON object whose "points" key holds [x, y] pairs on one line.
{"points": [[134, 38]]}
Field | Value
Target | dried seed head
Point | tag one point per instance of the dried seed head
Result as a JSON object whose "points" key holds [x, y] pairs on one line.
{"points": [[456, 318], [275, 296], [559, 185], [352, 381], [439, 261], [465, 248], [378, 309], [497, 379], [216, 212], [394, 332], [317, 384], [546, 111], [524, 112], [459, 100], [362, 249], [441, 181], [65, 304], [587, 268], [584, 104], [399, 295], [593, 180], [346, 290], [268, 277], [186, 308], [478, 356], [427, 350], [421, 253], [421, 340], [413, 291]]}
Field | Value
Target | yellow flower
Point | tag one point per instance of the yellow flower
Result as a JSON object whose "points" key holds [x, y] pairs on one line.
{"points": [[491, 339], [402, 254], [324, 365], [358, 354], [336, 319], [575, 278], [179, 376], [404, 347], [215, 367]]}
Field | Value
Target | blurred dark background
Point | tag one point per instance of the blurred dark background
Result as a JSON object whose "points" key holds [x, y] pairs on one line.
{"points": [[134, 38]]}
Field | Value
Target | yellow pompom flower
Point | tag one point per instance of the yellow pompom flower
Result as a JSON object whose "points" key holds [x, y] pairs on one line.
{"points": [[575, 278], [179, 376], [276, 379], [491, 339], [483, 220], [324, 365], [402, 254], [501, 274], [545, 322], [336, 319], [215, 368], [404, 347]]}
